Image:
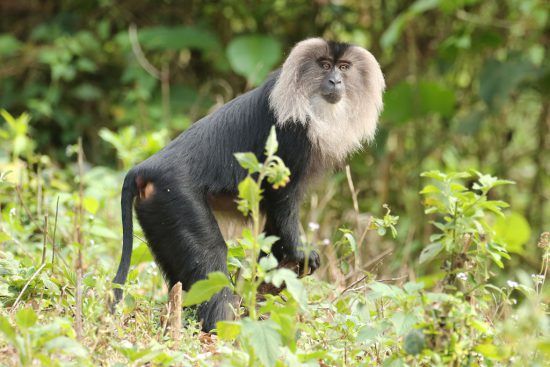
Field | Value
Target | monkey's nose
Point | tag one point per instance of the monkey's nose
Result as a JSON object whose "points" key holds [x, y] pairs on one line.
{"points": [[335, 81]]}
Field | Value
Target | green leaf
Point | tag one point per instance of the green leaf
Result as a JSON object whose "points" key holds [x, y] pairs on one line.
{"points": [[7, 329], [496, 259], [430, 189], [4, 236], [248, 161], [500, 78], [263, 337], [351, 240], [266, 242], [392, 34], [249, 195], [178, 38], [141, 254], [513, 231], [368, 334], [397, 104], [436, 175], [87, 92], [9, 45], [204, 289], [25, 318], [413, 287], [228, 330], [66, 345], [431, 251], [489, 351], [543, 347], [293, 284], [407, 101], [90, 204], [268, 263], [403, 322], [49, 284], [421, 6], [271, 145], [472, 122], [414, 342], [383, 290], [436, 98], [480, 326], [253, 56]]}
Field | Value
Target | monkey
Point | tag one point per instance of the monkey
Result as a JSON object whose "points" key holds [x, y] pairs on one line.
{"points": [[324, 102]]}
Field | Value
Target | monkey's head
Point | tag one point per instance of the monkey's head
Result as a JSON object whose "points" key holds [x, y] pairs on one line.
{"points": [[330, 85]]}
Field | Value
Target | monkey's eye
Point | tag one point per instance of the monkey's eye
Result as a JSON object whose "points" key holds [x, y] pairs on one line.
{"points": [[326, 65], [343, 67]]}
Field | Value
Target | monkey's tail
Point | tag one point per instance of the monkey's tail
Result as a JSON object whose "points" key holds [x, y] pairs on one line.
{"points": [[129, 190]]}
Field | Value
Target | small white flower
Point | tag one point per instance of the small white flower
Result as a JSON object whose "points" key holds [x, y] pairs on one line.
{"points": [[313, 226], [326, 242], [512, 284], [92, 242], [514, 301], [537, 278], [12, 212], [462, 276]]}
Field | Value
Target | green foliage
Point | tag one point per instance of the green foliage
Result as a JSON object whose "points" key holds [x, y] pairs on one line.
{"points": [[127, 143], [465, 238], [253, 56], [406, 102], [49, 343], [468, 86], [370, 321], [17, 135], [203, 290]]}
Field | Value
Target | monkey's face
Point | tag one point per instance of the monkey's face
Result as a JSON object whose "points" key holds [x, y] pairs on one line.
{"points": [[332, 70], [332, 86]]}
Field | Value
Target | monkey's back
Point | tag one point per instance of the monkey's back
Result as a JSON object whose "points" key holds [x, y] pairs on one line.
{"points": [[203, 155]]}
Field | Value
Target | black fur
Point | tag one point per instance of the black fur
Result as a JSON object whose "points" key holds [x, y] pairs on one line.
{"points": [[177, 220], [337, 49]]}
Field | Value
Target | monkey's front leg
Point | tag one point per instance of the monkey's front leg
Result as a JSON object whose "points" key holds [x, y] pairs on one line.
{"points": [[282, 220]]}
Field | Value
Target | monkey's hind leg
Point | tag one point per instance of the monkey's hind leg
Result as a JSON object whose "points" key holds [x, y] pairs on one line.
{"points": [[186, 242]]}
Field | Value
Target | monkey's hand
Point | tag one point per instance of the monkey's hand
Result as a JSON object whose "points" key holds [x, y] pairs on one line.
{"points": [[297, 262]]}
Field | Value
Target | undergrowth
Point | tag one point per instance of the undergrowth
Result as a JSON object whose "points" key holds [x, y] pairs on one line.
{"points": [[59, 241]]}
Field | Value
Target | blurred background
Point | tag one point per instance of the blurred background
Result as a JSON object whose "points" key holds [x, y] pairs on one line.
{"points": [[468, 86]]}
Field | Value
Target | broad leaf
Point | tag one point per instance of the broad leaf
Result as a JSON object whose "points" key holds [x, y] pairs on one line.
{"points": [[248, 161], [263, 337], [293, 284], [513, 231], [25, 318], [228, 330], [204, 289], [253, 56], [431, 251]]}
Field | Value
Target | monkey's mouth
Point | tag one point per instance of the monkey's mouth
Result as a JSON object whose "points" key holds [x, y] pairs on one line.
{"points": [[332, 98]]}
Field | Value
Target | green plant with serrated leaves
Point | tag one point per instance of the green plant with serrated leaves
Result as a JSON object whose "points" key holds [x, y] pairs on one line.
{"points": [[465, 239]]}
